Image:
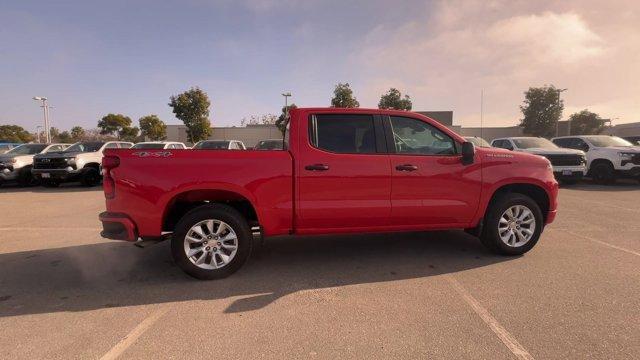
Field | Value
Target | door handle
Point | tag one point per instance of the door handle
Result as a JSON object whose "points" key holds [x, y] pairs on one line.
{"points": [[406, 167], [317, 167]]}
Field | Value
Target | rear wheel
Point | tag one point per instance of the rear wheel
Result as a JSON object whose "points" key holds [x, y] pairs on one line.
{"points": [[90, 177], [603, 173], [211, 242], [513, 225]]}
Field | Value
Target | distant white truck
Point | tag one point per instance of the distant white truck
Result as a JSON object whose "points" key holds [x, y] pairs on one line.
{"points": [[159, 145], [569, 165], [80, 162], [16, 164], [608, 157]]}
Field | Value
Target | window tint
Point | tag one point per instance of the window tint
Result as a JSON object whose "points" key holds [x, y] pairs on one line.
{"points": [[564, 142], [347, 134], [413, 136], [503, 144]]}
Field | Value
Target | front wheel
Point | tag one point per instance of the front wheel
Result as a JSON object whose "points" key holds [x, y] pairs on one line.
{"points": [[603, 173], [513, 225], [211, 242], [90, 177]]}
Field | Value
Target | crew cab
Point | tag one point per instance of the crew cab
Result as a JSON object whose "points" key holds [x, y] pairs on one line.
{"points": [[608, 157], [569, 165], [16, 164], [79, 162], [341, 171], [159, 145]]}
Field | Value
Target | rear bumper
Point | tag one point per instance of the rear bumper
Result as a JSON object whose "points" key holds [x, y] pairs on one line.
{"points": [[117, 226]]}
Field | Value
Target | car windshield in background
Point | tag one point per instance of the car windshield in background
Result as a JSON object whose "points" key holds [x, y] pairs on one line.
{"points": [[529, 143], [27, 149], [606, 141], [148, 146], [85, 147], [269, 145], [212, 145], [479, 142]]}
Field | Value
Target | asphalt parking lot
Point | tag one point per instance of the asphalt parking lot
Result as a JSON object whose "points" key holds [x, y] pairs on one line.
{"points": [[67, 293]]}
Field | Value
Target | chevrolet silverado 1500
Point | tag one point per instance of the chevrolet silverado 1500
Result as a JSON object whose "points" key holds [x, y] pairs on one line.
{"points": [[341, 171]]}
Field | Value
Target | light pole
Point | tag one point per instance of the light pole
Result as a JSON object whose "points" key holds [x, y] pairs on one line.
{"points": [[38, 132], [45, 110], [286, 104], [558, 122]]}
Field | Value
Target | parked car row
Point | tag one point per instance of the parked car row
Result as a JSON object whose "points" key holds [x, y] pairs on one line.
{"points": [[52, 164], [604, 158]]}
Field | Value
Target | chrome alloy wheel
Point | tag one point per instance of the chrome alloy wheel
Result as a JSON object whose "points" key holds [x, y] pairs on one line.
{"points": [[516, 226], [211, 244]]}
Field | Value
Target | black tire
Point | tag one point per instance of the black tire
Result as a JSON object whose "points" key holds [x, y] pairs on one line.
{"points": [[25, 178], [490, 237], [90, 177], [218, 212], [603, 173], [50, 183]]}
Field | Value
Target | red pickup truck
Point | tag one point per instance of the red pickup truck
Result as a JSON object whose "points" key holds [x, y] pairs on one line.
{"points": [[341, 171]]}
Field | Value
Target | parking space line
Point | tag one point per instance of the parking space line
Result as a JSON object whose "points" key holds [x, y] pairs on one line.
{"points": [[134, 334], [507, 339], [601, 242]]}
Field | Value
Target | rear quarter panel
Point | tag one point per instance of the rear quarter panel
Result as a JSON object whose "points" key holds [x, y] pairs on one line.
{"points": [[147, 185]]}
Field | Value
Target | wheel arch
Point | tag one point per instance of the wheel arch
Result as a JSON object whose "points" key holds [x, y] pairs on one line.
{"points": [[535, 192], [185, 201], [599, 161]]}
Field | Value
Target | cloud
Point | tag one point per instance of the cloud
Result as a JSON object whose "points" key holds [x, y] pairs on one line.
{"points": [[445, 59]]}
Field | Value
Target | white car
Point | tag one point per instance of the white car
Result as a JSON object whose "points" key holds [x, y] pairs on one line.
{"points": [[16, 163], [219, 145], [159, 145], [81, 161], [608, 157], [569, 165]]}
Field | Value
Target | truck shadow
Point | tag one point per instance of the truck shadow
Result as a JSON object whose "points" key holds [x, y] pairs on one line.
{"points": [[96, 276]]}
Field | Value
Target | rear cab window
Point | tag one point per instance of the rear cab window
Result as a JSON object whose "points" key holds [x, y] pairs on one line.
{"points": [[343, 133]]}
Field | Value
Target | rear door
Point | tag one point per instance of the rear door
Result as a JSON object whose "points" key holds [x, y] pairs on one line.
{"points": [[430, 185], [344, 179]]}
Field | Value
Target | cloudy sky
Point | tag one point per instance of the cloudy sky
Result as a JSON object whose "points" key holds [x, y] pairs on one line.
{"points": [[91, 58]]}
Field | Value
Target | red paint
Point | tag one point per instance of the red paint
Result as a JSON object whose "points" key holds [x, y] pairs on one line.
{"points": [[357, 193]]}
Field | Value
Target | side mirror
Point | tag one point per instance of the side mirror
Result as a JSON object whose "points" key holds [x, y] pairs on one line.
{"points": [[468, 153]]}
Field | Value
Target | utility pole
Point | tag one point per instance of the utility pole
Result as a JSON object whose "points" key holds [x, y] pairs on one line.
{"points": [[558, 122], [286, 104], [38, 132]]}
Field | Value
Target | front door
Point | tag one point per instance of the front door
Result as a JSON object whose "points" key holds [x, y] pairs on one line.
{"points": [[344, 179], [430, 185]]}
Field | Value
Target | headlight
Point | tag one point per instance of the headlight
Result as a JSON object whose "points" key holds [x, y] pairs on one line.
{"points": [[625, 155], [71, 160]]}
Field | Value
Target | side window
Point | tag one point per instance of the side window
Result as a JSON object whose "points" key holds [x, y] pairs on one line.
{"points": [[497, 143], [579, 144], [413, 136], [345, 134], [124, 145], [111, 146], [233, 145], [55, 148]]}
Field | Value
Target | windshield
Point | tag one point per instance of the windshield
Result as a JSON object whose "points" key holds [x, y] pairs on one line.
{"points": [[85, 147], [528, 143], [606, 141], [269, 145], [27, 149], [212, 145], [148, 146], [480, 142]]}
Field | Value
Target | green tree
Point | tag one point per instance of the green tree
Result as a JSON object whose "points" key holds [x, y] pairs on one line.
{"points": [[64, 137], [14, 133], [343, 97], [129, 134], [153, 128], [115, 124], [542, 109], [266, 119], [585, 122], [393, 99], [192, 107], [54, 132], [77, 133], [281, 123]]}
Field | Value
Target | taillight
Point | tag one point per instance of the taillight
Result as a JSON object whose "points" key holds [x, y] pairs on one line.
{"points": [[108, 183]]}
